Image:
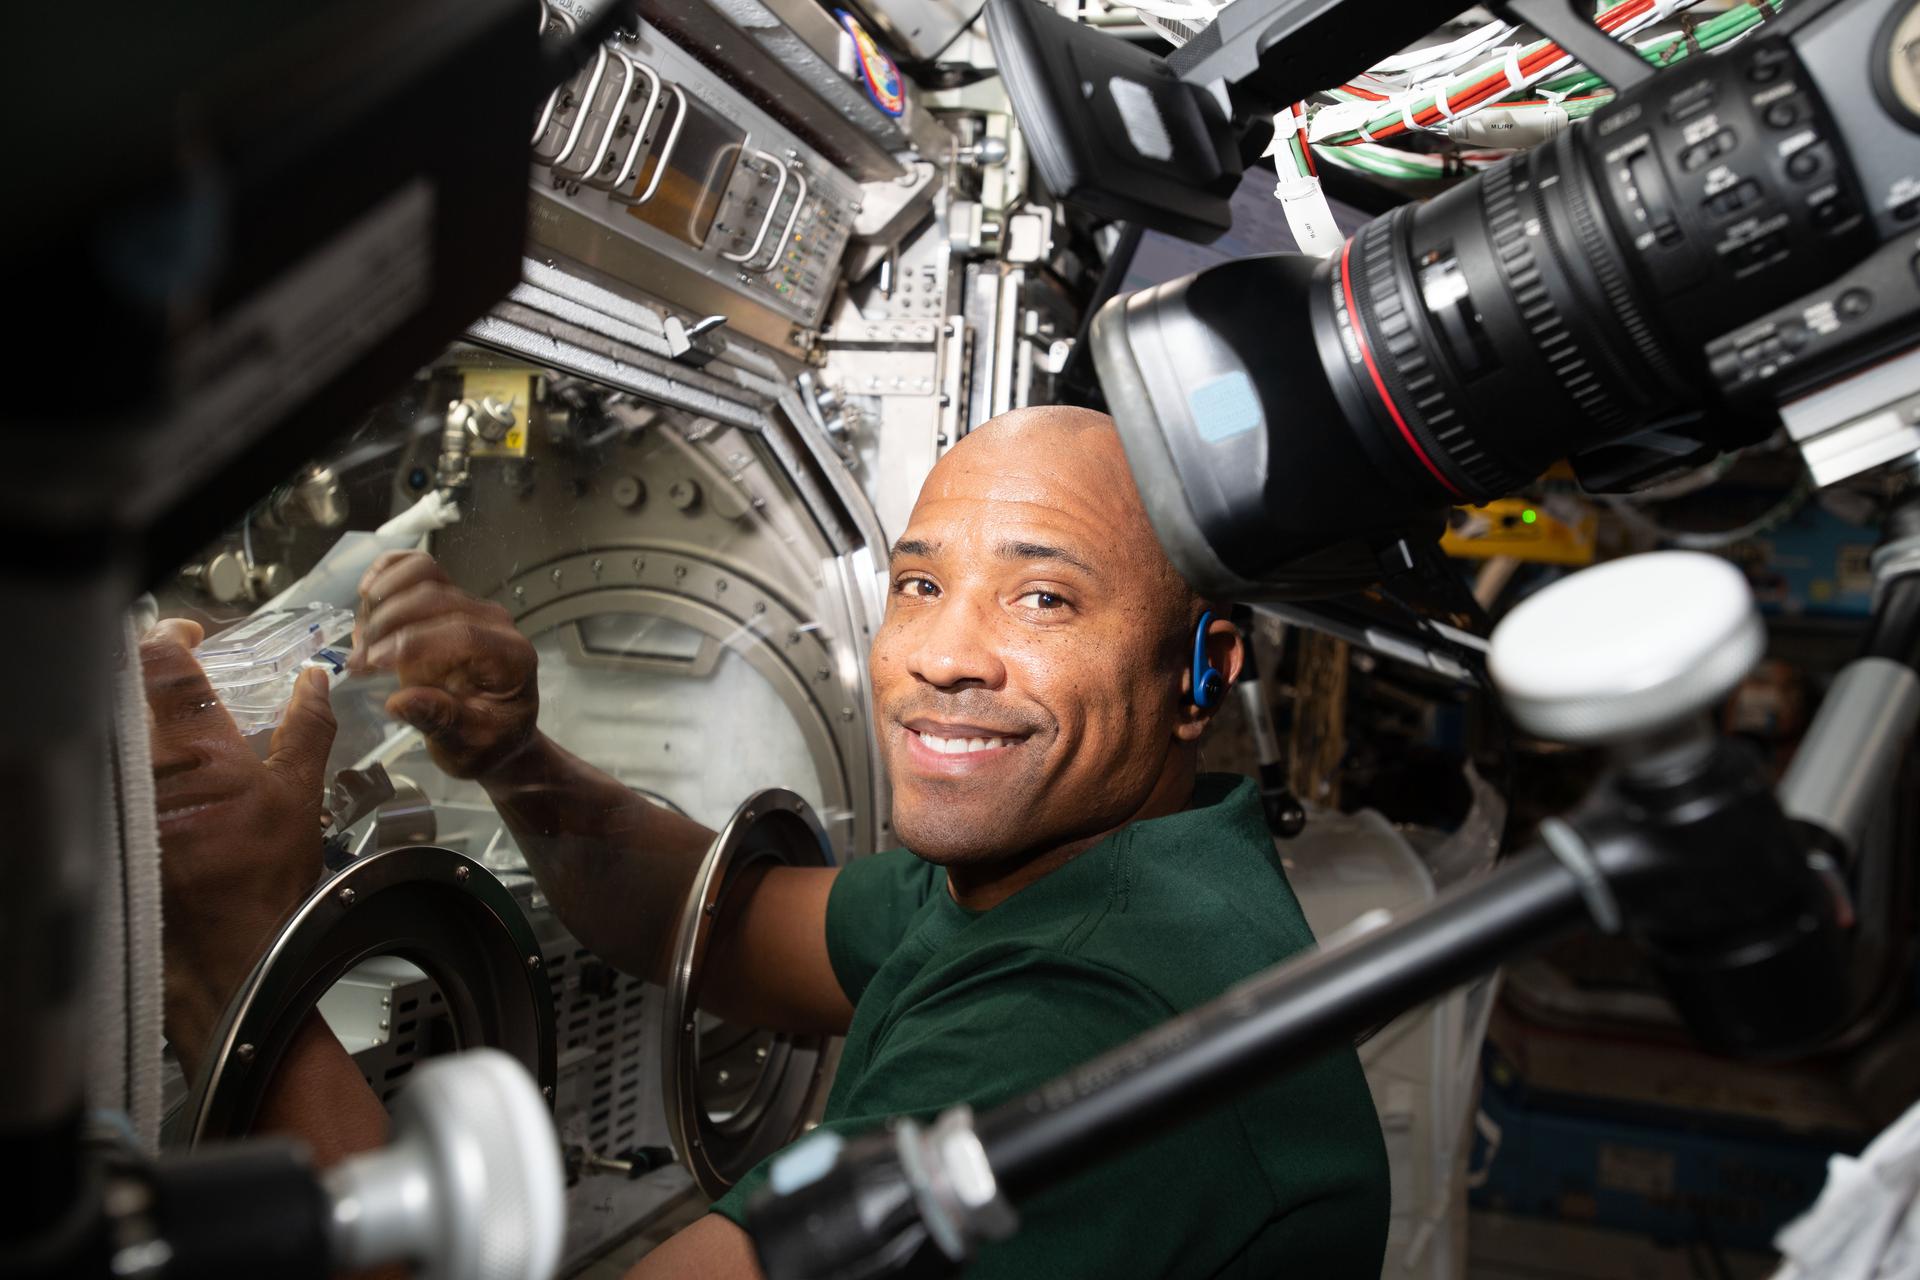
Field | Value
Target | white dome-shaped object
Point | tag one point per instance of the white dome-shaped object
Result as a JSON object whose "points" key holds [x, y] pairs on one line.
{"points": [[471, 1187], [1626, 648]]}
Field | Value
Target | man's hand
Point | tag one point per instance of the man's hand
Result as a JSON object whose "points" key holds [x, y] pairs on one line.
{"points": [[239, 837], [467, 677]]}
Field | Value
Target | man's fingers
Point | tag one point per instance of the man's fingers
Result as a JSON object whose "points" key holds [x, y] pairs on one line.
{"points": [[393, 573], [184, 632], [300, 745], [431, 711], [455, 646], [421, 602]]}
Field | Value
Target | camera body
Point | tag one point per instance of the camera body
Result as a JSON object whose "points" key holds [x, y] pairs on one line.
{"points": [[1637, 295]]}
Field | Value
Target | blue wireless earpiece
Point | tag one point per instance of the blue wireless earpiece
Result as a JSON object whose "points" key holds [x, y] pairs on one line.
{"points": [[1208, 683]]}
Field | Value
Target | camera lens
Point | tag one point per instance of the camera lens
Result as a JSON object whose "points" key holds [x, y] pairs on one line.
{"points": [[1557, 306]]}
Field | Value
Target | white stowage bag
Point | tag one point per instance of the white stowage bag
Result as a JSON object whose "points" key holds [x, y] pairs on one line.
{"points": [[1866, 1223]]}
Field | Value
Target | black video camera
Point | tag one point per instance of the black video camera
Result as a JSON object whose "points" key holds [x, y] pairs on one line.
{"points": [[1729, 243]]}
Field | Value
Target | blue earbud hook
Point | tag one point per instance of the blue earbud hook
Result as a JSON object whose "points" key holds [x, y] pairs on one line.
{"points": [[1208, 683]]}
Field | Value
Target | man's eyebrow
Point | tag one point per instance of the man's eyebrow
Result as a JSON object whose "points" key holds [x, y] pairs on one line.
{"points": [[910, 547], [1041, 551]]}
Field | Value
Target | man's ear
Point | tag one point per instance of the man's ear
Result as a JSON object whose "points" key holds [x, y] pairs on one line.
{"points": [[1227, 653]]}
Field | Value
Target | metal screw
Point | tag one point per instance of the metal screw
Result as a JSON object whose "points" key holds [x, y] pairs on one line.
{"points": [[679, 571], [639, 565], [462, 874], [822, 674], [346, 895], [846, 713], [598, 565], [760, 1054], [243, 1053], [546, 1091], [519, 593], [533, 962], [721, 585], [556, 577]]}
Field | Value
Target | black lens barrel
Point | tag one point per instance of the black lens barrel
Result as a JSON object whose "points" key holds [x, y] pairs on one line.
{"points": [[1562, 301]]}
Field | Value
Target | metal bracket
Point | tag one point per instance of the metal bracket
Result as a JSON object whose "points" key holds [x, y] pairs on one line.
{"points": [[685, 342]]}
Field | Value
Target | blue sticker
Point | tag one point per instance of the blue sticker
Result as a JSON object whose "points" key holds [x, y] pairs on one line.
{"points": [[1225, 407], [877, 71], [805, 1162]]}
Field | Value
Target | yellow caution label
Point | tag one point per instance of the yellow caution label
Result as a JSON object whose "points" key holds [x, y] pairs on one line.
{"points": [[1518, 528], [512, 388]]}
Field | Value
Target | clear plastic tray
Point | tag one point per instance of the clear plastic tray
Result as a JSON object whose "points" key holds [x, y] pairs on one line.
{"points": [[253, 666]]}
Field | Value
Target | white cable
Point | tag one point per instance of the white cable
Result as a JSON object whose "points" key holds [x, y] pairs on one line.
{"points": [[1302, 201], [1175, 12], [1457, 50]]}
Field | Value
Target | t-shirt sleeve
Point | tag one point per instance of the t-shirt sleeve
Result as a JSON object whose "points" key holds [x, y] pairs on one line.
{"points": [[870, 909], [1003, 1032]]}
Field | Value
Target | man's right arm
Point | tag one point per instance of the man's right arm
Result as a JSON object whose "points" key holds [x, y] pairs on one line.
{"points": [[616, 868]]}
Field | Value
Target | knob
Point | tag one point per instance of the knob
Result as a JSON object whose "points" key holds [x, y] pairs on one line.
{"points": [[493, 419], [224, 576], [1627, 649], [472, 1185]]}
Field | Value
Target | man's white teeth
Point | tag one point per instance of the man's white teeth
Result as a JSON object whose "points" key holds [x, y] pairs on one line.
{"points": [[960, 746]]}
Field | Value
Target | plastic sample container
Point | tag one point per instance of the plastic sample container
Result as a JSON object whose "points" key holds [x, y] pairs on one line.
{"points": [[254, 665]]}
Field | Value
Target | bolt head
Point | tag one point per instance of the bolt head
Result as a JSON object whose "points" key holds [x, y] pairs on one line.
{"points": [[346, 895], [463, 874], [243, 1053], [533, 962]]}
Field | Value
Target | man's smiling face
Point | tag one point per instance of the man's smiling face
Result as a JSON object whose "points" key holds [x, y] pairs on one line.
{"points": [[1027, 678]]}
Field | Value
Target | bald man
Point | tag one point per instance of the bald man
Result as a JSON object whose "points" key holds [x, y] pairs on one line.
{"points": [[1068, 880]]}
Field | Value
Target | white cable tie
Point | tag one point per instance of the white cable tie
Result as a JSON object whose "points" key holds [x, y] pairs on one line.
{"points": [[1566, 845], [1515, 79], [1406, 115], [1440, 104], [1554, 97]]}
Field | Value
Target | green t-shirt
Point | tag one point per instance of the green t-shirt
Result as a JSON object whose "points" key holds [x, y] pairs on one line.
{"points": [[958, 1006]]}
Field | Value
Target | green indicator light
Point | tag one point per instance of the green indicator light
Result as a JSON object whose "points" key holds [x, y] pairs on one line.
{"points": [[1529, 516]]}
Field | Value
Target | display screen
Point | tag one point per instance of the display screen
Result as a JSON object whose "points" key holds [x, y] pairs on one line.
{"points": [[699, 166]]}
